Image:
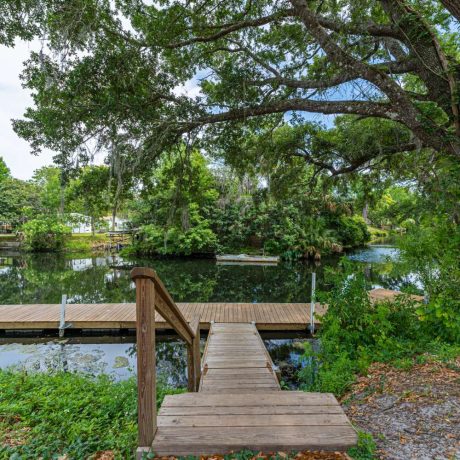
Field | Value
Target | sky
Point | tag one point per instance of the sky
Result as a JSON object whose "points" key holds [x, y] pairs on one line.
{"points": [[13, 102]]}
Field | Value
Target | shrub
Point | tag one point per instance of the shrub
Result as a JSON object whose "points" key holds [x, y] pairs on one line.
{"points": [[355, 331], [432, 250], [352, 231], [198, 239], [45, 234]]}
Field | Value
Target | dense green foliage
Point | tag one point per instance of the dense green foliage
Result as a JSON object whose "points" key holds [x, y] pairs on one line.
{"points": [[356, 332], [45, 234], [4, 171], [433, 251], [187, 206], [121, 76], [47, 415]]}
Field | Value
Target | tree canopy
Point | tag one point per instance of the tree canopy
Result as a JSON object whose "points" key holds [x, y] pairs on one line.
{"points": [[109, 71]]}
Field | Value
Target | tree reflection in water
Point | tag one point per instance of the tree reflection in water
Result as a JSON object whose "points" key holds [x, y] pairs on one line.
{"points": [[43, 278]]}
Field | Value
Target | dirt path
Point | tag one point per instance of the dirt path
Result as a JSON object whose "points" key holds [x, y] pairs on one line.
{"points": [[412, 414]]}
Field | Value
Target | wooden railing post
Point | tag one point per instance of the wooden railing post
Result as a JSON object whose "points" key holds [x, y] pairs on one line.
{"points": [[194, 357], [145, 337]]}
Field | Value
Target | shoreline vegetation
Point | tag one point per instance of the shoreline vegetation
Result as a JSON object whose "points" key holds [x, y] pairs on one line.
{"points": [[100, 243]]}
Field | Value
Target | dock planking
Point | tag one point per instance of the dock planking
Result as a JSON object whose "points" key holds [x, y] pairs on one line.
{"points": [[240, 405], [267, 316], [232, 347]]}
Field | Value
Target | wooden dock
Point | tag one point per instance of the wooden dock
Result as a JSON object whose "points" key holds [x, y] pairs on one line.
{"points": [[266, 316], [240, 405], [236, 361]]}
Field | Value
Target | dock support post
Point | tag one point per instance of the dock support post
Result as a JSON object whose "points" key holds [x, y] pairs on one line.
{"points": [[194, 357], [146, 373], [312, 304], [62, 320]]}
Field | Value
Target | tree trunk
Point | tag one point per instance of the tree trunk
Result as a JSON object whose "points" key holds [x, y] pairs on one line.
{"points": [[114, 217], [62, 203], [93, 226], [365, 212]]}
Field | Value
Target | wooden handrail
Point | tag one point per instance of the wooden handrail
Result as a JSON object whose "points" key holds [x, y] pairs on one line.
{"points": [[152, 295], [165, 305]]}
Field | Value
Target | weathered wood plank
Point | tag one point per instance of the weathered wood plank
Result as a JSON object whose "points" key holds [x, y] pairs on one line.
{"points": [[146, 373], [215, 440], [225, 420], [282, 398], [251, 410]]}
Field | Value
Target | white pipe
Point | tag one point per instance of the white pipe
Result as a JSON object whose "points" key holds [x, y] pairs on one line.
{"points": [[312, 304], [62, 321]]}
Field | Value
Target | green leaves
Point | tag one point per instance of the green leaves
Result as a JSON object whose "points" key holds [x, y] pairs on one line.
{"points": [[45, 234], [51, 415]]}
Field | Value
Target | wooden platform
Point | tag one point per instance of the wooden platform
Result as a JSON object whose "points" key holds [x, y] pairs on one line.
{"points": [[267, 316], [241, 406], [244, 259]]}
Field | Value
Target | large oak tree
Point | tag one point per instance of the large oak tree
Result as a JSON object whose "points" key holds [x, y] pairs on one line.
{"points": [[122, 69]]}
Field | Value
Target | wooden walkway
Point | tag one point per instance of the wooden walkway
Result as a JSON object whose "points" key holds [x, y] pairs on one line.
{"points": [[240, 406], [236, 361]]}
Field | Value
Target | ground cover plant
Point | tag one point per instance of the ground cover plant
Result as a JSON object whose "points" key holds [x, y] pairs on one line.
{"points": [[70, 415]]}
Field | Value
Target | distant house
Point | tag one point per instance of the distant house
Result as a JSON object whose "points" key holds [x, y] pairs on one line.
{"points": [[79, 223], [6, 227], [120, 223]]}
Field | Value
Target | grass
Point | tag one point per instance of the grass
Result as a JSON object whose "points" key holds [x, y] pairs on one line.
{"points": [[85, 242], [51, 415]]}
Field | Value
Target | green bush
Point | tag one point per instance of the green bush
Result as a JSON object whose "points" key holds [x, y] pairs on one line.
{"points": [[355, 332], [432, 250], [198, 239], [352, 231], [45, 234]]}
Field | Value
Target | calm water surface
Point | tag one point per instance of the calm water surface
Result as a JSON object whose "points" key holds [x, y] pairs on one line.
{"points": [[43, 278]]}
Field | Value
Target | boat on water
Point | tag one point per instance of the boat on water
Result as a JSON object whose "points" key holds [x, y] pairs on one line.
{"points": [[246, 259]]}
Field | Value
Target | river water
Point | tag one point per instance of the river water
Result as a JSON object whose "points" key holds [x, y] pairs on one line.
{"points": [[44, 278]]}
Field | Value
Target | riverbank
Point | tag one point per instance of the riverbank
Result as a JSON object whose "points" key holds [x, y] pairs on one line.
{"points": [[84, 243], [72, 416]]}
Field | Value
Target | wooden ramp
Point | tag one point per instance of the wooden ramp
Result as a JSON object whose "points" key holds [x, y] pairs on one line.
{"points": [[236, 361], [240, 406]]}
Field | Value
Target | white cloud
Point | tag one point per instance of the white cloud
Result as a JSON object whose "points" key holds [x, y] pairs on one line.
{"points": [[190, 89], [13, 101]]}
